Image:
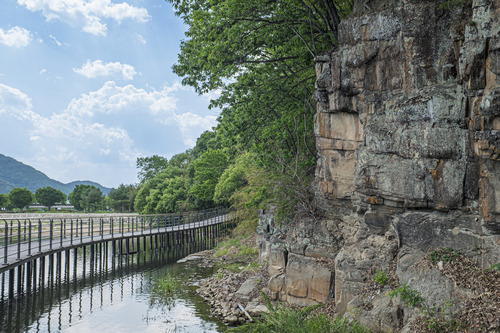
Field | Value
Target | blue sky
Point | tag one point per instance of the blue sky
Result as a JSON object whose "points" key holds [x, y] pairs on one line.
{"points": [[86, 87]]}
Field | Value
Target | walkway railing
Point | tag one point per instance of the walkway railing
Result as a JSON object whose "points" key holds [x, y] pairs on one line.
{"points": [[25, 237]]}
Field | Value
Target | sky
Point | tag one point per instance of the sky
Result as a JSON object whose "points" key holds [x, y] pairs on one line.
{"points": [[86, 87]]}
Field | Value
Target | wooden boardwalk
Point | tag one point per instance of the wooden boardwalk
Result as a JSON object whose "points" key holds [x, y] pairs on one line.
{"points": [[24, 240]]}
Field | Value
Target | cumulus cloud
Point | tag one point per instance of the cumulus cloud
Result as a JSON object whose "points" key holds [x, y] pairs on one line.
{"points": [[99, 68], [102, 131], [15, 103], [87, 13], [15, 37], [191, 125]]}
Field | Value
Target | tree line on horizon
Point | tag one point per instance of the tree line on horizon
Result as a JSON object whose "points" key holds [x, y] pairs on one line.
{"points": [[87, 198]]}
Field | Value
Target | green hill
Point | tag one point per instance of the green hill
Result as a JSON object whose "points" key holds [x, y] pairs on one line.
{"points": [[16, 174]]}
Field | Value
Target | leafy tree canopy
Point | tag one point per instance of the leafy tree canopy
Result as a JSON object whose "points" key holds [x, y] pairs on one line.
{"points": [[48, 196], [122, 198], [4, 200], [20, 197], [150, 167], [208, 168], [86, 197], [260, 55]]}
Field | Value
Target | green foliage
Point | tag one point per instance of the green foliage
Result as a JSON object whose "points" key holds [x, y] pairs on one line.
{"points": [[20, 197], [122, 199], [381, 277], [437, 321], [494, 267], [208, 140], [164, 193], [4, 201], [409, 296], [260, 56], [48, 196], [231, 180], [87, 198], [452, 4], [446, 254], [149, 167], [281, 318], [208, 169], [166, 285]]}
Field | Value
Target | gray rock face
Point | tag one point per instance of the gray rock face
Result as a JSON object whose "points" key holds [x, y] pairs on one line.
{"points": [[408, 131]]}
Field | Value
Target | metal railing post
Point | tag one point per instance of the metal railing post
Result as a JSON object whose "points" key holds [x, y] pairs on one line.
{"points": [[62, 234], [51, 233], [6, 243], [29, 238], [18, 239], [39, 236]]}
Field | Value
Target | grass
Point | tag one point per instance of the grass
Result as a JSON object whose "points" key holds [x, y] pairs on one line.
{"points": [[281, 318], [165, 285], [494, 267]]}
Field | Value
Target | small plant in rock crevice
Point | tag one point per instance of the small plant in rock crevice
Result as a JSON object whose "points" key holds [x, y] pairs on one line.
{"points": [[435, 320], [494, 267], [445, 254], [380, 277]]}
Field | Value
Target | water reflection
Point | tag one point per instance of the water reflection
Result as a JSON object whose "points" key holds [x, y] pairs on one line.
{"points": [[113, 294]]}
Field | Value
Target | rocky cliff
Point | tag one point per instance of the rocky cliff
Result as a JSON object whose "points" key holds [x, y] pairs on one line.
{"points": [[408, 130]]}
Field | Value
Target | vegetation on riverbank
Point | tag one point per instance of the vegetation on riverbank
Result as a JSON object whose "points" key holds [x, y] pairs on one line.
{"points": [[282, 318]]}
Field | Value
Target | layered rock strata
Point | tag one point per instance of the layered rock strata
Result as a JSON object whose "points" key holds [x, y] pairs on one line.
{"points": [[408, 131]]}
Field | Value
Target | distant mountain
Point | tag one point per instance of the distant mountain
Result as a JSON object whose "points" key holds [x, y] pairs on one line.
{"points": [[16, 174]]}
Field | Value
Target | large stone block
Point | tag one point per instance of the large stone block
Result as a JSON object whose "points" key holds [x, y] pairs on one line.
{"points": [[277, 260], [337, 171], [306, 279], [340, 125], [490, 188]]}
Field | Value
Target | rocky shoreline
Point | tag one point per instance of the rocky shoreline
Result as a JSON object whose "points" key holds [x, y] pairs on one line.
{"points": [[234, 297]]}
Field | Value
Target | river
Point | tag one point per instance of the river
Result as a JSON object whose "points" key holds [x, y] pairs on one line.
{"points": [[116, 296]]}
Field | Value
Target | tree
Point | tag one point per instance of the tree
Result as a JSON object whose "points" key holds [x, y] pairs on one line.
{"points": [[207, 171], [75, 197], [232, 179], [20, 197], [122, 198], [86, 197], [4, 200], [150, 167], [92, 198], [48, 196], [260, 55]]}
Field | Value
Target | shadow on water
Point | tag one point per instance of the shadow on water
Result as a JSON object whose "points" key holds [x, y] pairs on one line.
{"points": [[114, 294]]}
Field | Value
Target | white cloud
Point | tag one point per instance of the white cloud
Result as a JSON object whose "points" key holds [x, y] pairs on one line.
{"points": [[15, 37], [98, 68], [43, 71], [15, 103], [87, 13], [101, 133], [141, 39], [191, 125], [58, 43]]}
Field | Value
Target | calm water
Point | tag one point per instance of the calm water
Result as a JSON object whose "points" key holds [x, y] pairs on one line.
{"points": [[115, 295]]}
